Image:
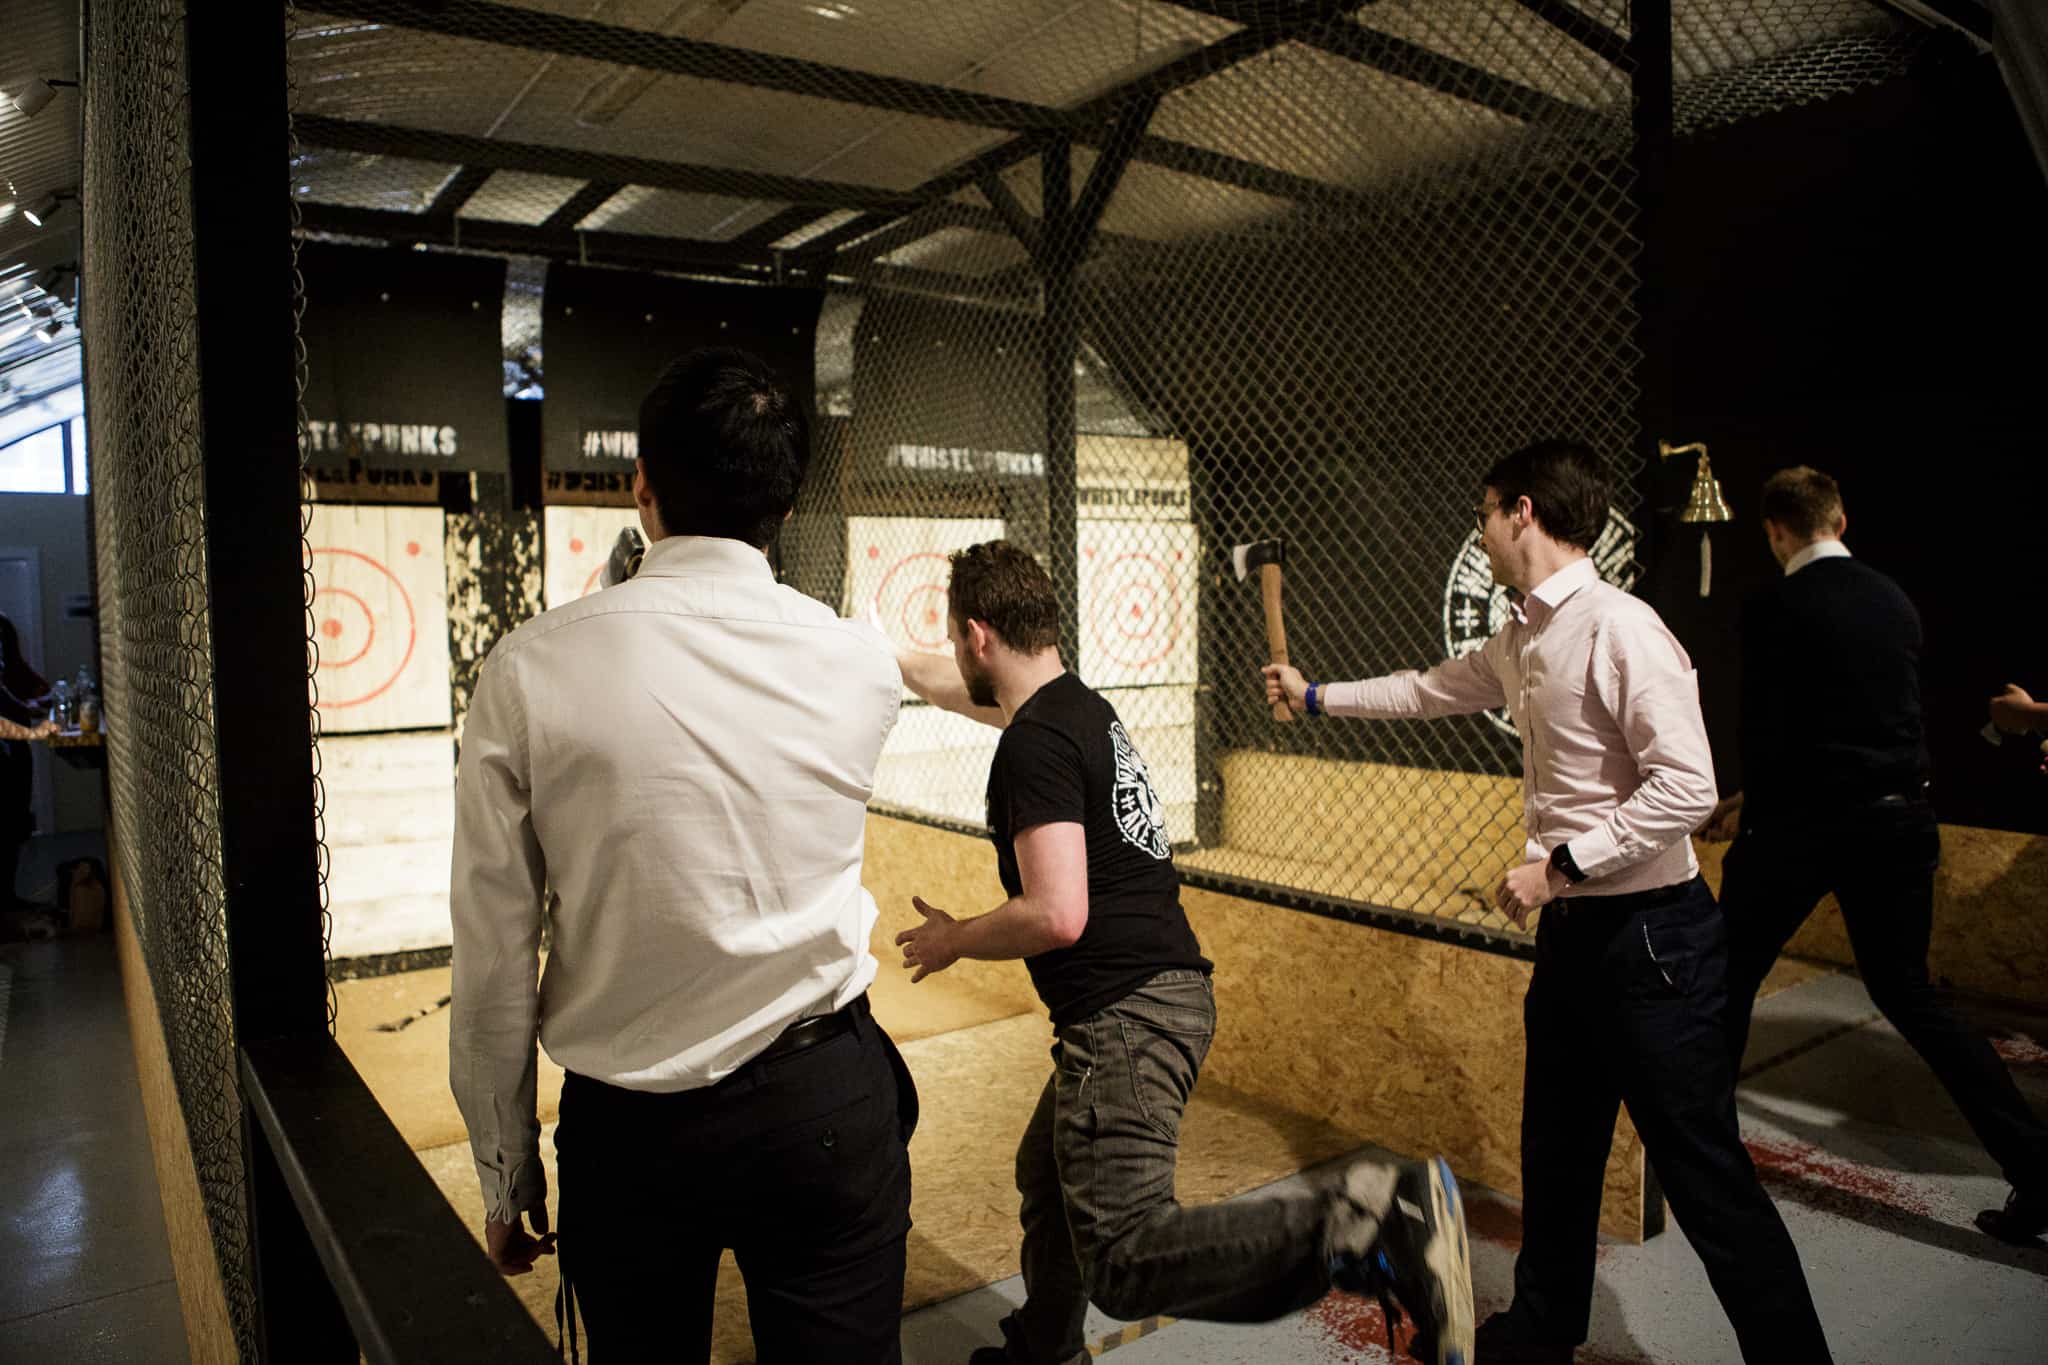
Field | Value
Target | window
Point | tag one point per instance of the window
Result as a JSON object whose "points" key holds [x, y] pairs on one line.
{"points": [[42, 444], [35, 463]]}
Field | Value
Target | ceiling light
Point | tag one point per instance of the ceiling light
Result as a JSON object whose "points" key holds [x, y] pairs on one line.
{"points": [[46, 207], [49, 330], [6, 210], [39, 93]]}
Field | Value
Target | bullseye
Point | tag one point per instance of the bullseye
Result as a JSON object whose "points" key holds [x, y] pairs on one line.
{"points": [[349, 615]]}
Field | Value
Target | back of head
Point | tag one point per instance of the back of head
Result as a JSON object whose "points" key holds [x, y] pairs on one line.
{"points": [[1565, 485], [725, 446], [1001, 585], [1804, 501]]}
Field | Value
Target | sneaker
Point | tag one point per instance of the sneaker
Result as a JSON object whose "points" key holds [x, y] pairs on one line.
{"points": [[1499, 1342], [1420, 1262], [2021, 1222]]}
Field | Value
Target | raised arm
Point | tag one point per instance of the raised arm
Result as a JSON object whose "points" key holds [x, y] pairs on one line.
{"points": [[936, 679]]}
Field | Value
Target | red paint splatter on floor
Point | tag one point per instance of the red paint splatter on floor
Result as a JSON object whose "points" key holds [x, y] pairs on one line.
{"points": [[1805, 1168], [1357, 1325], [1354, 1324], [2020, 1050]]}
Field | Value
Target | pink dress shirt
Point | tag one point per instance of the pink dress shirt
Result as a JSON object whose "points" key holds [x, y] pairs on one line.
{"points": [[1615, 759]]}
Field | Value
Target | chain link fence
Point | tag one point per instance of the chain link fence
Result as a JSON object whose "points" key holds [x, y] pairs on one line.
{"points": [[1129, 283], [156, 634]]}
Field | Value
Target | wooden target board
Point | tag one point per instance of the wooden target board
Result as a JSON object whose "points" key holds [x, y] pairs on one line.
{"points": [[380, 617], [1138, 586], [576, 542], [897, 571]]}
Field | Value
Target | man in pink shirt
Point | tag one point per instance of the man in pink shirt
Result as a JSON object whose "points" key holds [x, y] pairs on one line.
{"points": [[1629, 991]]}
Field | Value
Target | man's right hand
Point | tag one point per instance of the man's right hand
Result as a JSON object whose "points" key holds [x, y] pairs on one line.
{"points": [[1285, 683], [509, 1246], [2014, 712], [1725, 822]]}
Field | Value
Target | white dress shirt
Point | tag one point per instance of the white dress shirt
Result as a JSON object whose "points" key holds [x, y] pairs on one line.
{"points": [[1615, 759], [681, 764], [1819, 549]]}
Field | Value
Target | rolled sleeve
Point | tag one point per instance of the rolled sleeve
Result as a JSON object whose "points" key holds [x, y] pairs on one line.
{"points": [[1653, 693], [496, 882]]}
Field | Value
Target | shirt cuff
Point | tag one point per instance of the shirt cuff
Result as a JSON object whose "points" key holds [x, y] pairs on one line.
{"points": [[512, 1190], [1388, 698], [1597, 852]]}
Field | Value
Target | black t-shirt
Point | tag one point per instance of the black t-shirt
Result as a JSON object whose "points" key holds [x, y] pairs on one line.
{"points": [[1066, 758]]}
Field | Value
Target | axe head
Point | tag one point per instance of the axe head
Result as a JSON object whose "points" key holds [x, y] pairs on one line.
{"points": [[1245, 558]]}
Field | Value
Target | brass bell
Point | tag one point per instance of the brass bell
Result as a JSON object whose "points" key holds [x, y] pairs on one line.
{"points": [[1705, 504]]}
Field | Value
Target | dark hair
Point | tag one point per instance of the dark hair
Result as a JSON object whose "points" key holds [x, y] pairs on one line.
{"points": [[1001, 585], [1564, 484], [1803, 500], [725, 446]]}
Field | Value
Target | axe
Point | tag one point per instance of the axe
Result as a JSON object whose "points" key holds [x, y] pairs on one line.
{"points": [[1266, 556]]}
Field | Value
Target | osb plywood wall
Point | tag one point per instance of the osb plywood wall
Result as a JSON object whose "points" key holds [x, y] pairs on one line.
{"points": [[1409, 1043], [1990, 932], [210, 1335]]}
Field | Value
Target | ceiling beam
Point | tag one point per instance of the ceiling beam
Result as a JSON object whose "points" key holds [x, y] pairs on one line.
{"points": [[459, 190], [536, 30], [1595, 37], [422, 144], [772, 230], [580, 205], [1427, 67]]}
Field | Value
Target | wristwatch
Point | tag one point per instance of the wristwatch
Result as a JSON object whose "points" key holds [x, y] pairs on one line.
{"points": [[1561, 859]]}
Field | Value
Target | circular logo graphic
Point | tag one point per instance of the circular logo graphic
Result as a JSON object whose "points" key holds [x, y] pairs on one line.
{"points": [[363, 651], [1138, 616], [1476, 608], [1140, 815], [911, 601]]}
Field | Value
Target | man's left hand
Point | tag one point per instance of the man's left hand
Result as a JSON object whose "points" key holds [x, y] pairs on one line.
{"points": [[929, 947], [510, 1247], [1531, 886]]}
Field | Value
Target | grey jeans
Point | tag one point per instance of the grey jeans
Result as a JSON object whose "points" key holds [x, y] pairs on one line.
{"points": [[1095, 1170]]}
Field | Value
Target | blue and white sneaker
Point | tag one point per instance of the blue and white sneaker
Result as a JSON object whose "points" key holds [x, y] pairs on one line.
{"points": [[1420, 1262]]}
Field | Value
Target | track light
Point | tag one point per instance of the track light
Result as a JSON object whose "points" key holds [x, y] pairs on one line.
{"points": [[50, 330], [46, 207], [39, 93]]}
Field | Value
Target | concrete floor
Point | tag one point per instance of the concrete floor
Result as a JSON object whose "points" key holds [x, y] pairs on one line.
{"points": [[1869, 1162], [85, 1270]]}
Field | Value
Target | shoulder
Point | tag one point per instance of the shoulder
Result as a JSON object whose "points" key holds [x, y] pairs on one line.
{"points": [[1627, 630]]}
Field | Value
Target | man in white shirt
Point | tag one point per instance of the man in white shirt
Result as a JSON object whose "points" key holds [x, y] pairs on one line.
{"points": [[675, 772], [1626, 1003]]}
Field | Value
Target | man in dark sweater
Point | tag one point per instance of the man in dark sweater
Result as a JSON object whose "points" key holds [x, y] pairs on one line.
{"points": [[1834, 799], [1094, 912]]}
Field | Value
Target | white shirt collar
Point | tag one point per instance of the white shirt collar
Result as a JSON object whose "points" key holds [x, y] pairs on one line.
{"points": [[1553, 591], [704, 556], [1820, 549]]}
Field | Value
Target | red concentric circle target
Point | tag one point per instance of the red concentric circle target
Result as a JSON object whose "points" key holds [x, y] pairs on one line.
{"points": [[1138, 614], [357, 677], [912, 598]]}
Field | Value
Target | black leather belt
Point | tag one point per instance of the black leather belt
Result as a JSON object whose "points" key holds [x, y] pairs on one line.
{"points": [[811, 1032]]}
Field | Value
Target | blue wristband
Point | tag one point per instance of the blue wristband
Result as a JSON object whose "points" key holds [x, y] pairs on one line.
{"points": [[1310, 700]]}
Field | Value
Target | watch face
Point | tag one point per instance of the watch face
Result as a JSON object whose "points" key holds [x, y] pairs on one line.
{"points": [[1476, 607]]}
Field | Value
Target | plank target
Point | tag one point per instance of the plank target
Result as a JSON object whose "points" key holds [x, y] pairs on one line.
{"points": [[576, 542], [897, 569], [1138, 589], [380, 617]]}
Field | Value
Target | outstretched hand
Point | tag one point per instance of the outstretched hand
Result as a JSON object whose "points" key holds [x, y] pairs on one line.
{"points": [[929, 947], [511, 1248]]}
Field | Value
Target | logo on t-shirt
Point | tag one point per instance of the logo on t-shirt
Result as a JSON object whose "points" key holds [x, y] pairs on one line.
{"points": [[1139, 813]]}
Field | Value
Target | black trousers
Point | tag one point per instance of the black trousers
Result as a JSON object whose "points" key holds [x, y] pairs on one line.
{"points": [[1626, 1007], [798, 1164], [1879, 861]]}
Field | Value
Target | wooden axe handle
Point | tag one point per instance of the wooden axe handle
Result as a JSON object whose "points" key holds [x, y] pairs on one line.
{"points": [[1276, 631]]}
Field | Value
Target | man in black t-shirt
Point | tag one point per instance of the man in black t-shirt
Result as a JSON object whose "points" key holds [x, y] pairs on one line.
{"points": [[1094, 911]]}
